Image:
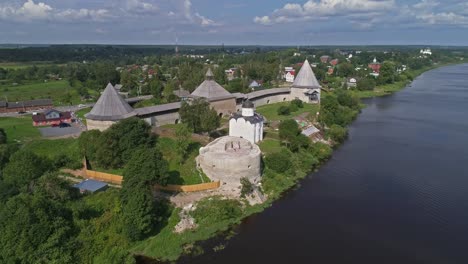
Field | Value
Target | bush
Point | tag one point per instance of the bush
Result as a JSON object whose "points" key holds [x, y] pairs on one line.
{"points": [[337, 133], [284, 110], [3, 136], [297, 103], [288, 129], [298, 142], [247, 187], [321, 151], [366, 84], [279, 161], [293, 108], [215, 210]]}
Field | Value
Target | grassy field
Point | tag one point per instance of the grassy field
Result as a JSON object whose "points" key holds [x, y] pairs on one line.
{"points": [[269, 146], [270, 111], [55, 90], [80, 114], [54, 148], [20, 65], [185, 173], [19, 129]]}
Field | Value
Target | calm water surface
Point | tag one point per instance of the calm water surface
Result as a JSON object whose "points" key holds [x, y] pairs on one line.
{"points": [[395, 192]]}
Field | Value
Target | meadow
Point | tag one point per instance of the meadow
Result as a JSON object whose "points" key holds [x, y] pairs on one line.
{"points": [[19, 129], [270, 111]]}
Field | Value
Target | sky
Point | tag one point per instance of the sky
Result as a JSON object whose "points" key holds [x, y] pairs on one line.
{"points": [[241, 22]]}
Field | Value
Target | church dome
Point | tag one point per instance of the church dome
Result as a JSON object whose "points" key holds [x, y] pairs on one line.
{"points": [[247, 104]]}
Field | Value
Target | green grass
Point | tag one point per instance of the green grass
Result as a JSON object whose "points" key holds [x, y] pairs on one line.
{"points": [[268, 146], [53, 148], [19, 128], [185, 173], [80, 114], [270, 111], [20, 65], [55, 90]]}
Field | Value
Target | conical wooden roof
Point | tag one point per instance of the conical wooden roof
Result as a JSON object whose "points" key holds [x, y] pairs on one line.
{"points": [[306, 78], [110, 107], [209, 88]]}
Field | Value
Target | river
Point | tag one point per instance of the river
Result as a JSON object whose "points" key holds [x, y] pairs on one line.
{"points": [[395, 192]]}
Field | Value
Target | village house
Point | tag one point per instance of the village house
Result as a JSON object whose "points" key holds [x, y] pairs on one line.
{"points": [[230, 73], [289, 74], [51, 117], [375, 66], [351, 82], [324, 59]]}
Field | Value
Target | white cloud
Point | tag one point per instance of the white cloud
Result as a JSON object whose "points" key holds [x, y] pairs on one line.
{"points": [[320, 9], [195, 17], [31, 11], [140, 7], [264, 20], [443, 18]]}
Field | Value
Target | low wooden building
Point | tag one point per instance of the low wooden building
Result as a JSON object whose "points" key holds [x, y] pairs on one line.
{"points": [[24, 106]]}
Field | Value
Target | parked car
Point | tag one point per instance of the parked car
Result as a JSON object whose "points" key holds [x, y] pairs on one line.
{"points": [[64, 125], [54, 125], [21, 112]]}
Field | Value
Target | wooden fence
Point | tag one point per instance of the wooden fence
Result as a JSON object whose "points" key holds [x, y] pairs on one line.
{"points": [[189, 188], [117, 179]]}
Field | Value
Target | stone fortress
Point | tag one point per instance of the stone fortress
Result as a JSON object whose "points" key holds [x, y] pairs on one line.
{"points": [[227, 159], [111, 107]]}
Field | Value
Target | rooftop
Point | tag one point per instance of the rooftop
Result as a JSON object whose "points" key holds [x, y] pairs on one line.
{"points": [[306, 78], [90, 185], [110, 107], [210, 89]]}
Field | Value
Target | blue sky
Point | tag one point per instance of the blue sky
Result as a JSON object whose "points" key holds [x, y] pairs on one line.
{"points": [[264, 22]]}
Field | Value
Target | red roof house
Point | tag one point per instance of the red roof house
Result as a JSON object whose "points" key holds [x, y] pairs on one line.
{"points": [[51, 117]]}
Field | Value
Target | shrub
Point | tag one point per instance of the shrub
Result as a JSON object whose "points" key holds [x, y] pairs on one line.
{"points": [[279, 161], [293, 108], [288, 129], [247, 187], [337, 133], [284, 110], [215, 210], [297, 103]]}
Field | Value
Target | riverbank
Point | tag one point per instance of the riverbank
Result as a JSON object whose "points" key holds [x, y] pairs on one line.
{"points": [[169, 246], [387, 89]]}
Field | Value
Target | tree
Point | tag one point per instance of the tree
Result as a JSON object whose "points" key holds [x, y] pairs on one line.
{"points": [[183, 135], [146, 166], [345, 69], [121, 140], [337, 133], [298, 142], [387, 73], [279, 161], [199, 116], [89, 142], [283, 110], [3, 136], [365, 84], [288, 130], [24, 166], [35, 229]]}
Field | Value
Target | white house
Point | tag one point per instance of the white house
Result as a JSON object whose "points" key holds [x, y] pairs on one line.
{"points": [[289, 76], [426, 51], [247, 124]]}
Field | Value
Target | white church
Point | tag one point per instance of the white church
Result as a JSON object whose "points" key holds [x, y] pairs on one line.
{"points": [[249, 125]]}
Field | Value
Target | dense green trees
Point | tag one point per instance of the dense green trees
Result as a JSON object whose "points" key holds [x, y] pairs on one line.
{"points": [[3, 136], [146, 168], [366, 84], [183, 135], [118, 143], [23, 167], [279, 161], [290, 133], [199, 116]]}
